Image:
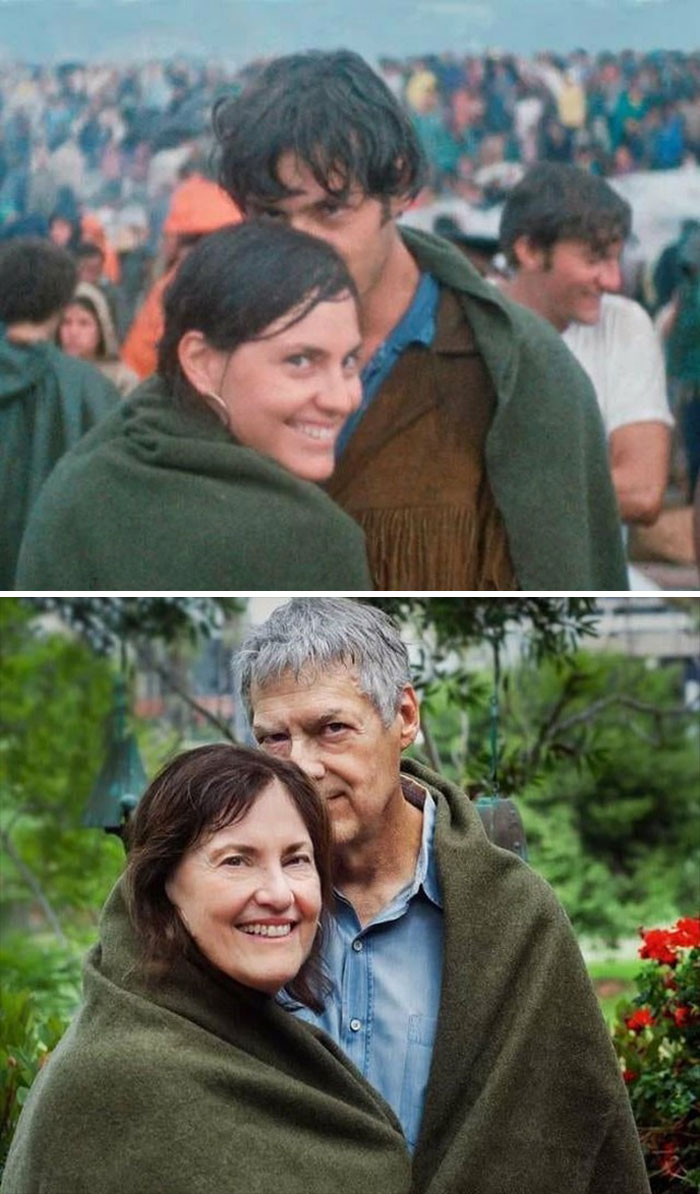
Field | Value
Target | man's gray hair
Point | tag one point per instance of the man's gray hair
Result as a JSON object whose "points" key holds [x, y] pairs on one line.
{"points": [[313, 635]]}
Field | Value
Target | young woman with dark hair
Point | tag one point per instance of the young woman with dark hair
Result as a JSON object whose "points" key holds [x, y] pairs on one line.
{"points": [[87, 330], [203, 479], [181, 1072]]}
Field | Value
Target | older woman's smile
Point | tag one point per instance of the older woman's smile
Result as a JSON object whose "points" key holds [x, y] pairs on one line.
{"points": [[258, 878], [269, 929]]}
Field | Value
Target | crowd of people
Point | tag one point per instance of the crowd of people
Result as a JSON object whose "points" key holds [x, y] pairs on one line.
{"points": [[125, 171], [117, 134], [484, 119]]}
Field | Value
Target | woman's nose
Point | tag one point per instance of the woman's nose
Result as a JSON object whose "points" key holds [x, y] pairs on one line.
{"points": [[275, 890], [341, 394]]}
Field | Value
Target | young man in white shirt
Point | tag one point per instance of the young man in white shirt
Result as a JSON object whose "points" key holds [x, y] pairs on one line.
{"points": [[562, 231]]}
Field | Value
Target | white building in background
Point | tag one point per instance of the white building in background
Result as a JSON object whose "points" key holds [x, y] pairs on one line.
{"points": [[652, 627]]}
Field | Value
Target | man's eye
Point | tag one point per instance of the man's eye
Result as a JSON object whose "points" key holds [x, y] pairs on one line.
{"points": [[267, 213], [330, 208], [335, 727], [272, 741], [351, 364]]}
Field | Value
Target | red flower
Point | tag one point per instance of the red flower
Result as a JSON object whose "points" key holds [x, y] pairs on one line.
{"points": [[669, 1158], [629, 1076], [682, 1015], [640, 1019], [687, 931], [658, 945]]}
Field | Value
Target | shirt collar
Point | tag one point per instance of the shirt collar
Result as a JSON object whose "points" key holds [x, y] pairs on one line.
{"points": [[417, 324], [426, 873]]}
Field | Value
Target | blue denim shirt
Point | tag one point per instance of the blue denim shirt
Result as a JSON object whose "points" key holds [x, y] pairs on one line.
{"points": [[387, 981], [416, 326]]}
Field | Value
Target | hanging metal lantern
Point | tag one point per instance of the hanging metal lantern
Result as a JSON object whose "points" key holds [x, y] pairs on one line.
{"points": [[500, 815], [122, 777], [503, 824]]}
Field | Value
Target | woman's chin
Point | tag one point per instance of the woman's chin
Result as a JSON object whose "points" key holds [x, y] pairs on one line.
{"points": [[316, 467]]}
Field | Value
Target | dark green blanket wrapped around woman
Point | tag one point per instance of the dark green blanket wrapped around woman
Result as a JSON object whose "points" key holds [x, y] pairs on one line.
{"points": [[161, 496], [193, 1085]]}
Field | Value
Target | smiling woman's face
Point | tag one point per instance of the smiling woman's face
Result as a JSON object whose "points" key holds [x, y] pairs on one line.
{"points": [[250, 894], [288, 395]]}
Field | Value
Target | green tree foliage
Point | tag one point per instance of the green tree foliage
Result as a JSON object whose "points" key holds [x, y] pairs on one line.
{"points": [[603, 758], [106, 623], [554, 625], [54, 698]]}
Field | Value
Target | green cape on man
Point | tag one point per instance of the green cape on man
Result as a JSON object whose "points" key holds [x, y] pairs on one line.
{"points": [[525, 1094]]}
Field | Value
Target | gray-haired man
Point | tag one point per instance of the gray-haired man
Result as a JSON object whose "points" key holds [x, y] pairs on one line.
{"points": [[459, 991]]}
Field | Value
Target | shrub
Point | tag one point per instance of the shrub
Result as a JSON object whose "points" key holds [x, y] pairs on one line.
{"points": [[41, 990], [657, 1037]]}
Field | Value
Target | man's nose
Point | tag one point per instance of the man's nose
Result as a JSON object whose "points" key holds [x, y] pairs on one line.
{"points": [[306, 756], [610, 275]]}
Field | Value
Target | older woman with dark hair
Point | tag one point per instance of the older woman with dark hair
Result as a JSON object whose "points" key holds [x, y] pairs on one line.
{"points": [[204, 478], [181, 1073]]}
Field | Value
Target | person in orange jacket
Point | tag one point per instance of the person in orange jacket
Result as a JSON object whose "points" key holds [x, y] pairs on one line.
{"points": [[198, 206]]}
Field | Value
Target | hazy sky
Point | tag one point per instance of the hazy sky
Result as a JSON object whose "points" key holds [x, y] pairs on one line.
{"points": [[237, 30]]}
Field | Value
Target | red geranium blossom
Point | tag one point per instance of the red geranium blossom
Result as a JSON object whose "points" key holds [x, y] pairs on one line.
{"points": [[681, 1015], [658, 945], [640, 1019], [687, 931], [661, 944]]}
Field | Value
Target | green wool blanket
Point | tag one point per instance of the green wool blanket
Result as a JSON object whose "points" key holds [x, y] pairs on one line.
{"points": [[161, 496], [194, 1086], [525, 1094]]}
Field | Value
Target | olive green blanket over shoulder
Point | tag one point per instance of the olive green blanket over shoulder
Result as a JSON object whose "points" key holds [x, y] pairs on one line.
{"points": [[160, 496], [546, 453], [47, 403], [193, 1086], [525, 1094]]}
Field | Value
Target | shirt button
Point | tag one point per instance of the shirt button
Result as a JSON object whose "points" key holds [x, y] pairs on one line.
{"points": [[358, 946], [355, 1025]]}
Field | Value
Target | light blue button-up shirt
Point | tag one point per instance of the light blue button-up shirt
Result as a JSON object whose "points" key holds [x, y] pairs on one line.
{"points": [[387, 979]]}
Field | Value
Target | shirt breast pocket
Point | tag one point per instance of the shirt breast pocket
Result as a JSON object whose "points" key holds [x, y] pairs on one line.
{"points": [[420, 1038]]}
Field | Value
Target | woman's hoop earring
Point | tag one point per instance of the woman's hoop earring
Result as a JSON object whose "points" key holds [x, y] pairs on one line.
{"points": [[221, 404]]}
